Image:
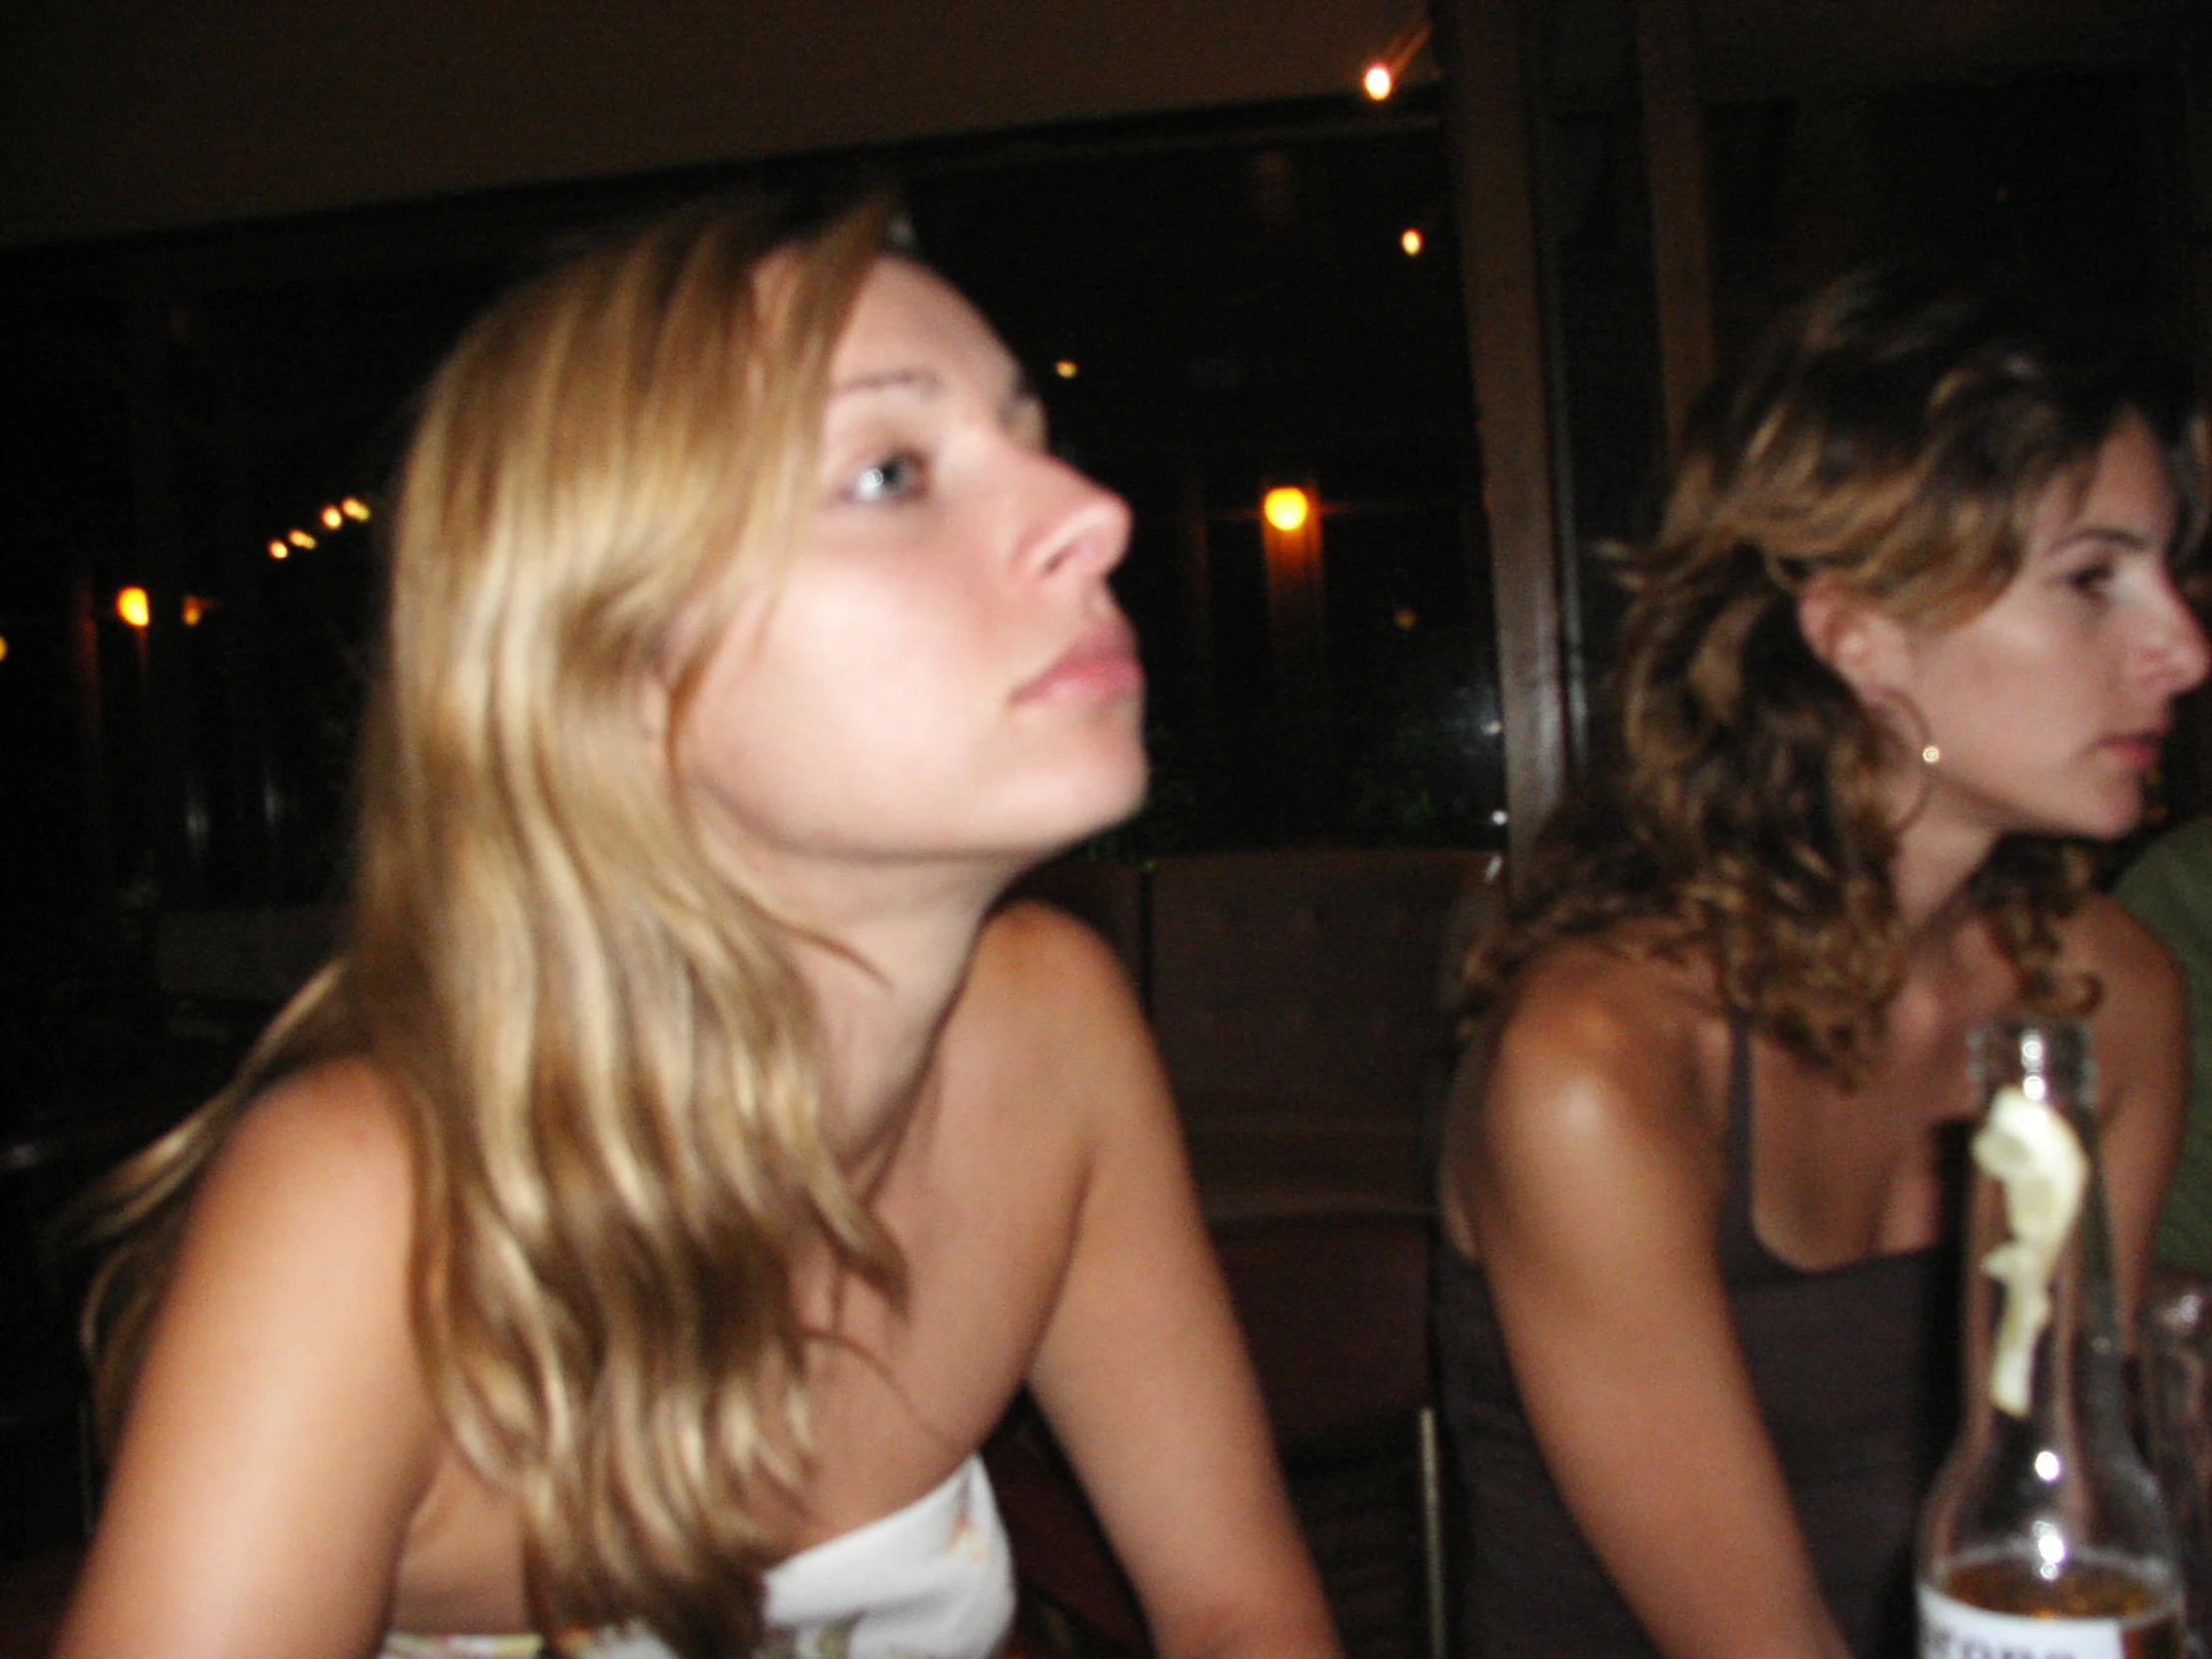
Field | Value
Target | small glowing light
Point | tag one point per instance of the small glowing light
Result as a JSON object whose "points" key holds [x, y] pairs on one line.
{"points": [[1412, 241], [1066, 369], [1287, 509], [279, 550], [1379, 82], [195, 609], [130, 605], [2050, 1549], [333, 518], [354, 508], [300, 538], [1498, 816], [3, 648], [1404, 618], [2047, 1466]]}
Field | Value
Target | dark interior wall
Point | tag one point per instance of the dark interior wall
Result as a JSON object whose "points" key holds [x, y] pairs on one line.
{"points": [[119, 116], [122, 115]]}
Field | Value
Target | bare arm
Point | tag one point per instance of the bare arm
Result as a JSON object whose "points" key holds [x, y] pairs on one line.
{"points": [[278, 1437], [1591, 1178], [1142, 1371]]}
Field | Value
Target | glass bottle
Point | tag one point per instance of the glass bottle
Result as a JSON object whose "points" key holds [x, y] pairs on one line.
{"points": [[2044, 1535]]}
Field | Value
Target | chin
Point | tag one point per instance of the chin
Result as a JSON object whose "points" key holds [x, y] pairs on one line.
{"points": [[1095, 806], [2121, 818]]}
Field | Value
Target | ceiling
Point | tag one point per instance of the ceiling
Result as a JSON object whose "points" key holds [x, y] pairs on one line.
{"points": [[119, 116]]}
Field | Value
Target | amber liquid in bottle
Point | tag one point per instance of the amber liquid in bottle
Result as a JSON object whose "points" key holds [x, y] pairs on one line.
{"points": [[2149, 1618]]}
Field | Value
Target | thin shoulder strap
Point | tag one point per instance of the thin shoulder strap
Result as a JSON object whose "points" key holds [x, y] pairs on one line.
{"points": [[1742, 1257], [1739, 1108]]}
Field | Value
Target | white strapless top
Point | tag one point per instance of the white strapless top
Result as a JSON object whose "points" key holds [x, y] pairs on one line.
{"points": [[934, 1580]]}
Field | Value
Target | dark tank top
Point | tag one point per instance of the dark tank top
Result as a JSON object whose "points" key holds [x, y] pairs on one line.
{"points": [[1852, 1370]]}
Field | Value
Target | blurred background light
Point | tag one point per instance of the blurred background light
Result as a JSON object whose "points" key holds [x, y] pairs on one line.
{"points": [[1287, 509]]}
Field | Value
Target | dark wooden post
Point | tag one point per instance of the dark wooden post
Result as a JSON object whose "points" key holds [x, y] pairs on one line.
{"points": [[1674, 161], [1482, 50]]}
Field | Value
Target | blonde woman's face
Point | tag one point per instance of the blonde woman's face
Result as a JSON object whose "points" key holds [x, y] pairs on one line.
{"points": [[944, 673], [2048, 706]]}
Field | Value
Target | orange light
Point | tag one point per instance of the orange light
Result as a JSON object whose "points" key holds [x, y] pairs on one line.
{"points": [[1405, 618], [1384, 74], [130, 605], [1412, 241], [1065, 368], [195, 609], [300, 538], [1287, 509], [3, 648], [332, 519], [279, 550], [354, 508]]}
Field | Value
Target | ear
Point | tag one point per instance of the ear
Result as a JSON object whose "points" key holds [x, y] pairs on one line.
{"points": [[1860, 641]]}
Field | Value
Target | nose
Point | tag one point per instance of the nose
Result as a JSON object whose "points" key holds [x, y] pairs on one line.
{"points": [[2178, 655], [1080, 528]]}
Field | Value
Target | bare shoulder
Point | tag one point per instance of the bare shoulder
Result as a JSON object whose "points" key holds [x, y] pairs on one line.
{"points": [[1599, 1070], [1040, 983], [304, 1217], [1592, 1032], [1047, 1044], [2105, 937], [2139, 1022], [328, 1143], [279, 1433], [1047, 951]]}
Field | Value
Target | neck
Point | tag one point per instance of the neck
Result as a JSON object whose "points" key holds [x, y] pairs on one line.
{"points": [[1938, 852], [885, 953], [1930, 882]]}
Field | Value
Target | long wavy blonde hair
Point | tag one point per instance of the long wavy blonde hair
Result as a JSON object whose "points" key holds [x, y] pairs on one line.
{"points": [[607, 1064], [1893, 433]]}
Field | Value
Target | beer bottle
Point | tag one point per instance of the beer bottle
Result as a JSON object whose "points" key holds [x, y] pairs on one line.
{"points": [[2044, 1535]]}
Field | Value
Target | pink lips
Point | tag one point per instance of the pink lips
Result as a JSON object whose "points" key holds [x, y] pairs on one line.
{"points": [[1101, 667], [2139, 749]]}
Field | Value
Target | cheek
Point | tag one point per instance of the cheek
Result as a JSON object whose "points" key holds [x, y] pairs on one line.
{"points": [[862, 664]]}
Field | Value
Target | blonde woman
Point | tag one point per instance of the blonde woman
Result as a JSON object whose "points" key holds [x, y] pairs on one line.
{"points": [[630, 1238]]}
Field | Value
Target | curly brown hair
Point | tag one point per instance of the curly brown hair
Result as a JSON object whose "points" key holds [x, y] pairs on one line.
{"points": [[1893, 433]]}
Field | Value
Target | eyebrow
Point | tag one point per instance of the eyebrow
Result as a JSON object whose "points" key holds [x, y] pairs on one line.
{"points": [[1021, 397], [922, 382], [2113, 534]]}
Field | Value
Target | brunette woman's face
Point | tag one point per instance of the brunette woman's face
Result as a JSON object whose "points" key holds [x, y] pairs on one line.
{"points": [[2048, 709], [942, 672]]}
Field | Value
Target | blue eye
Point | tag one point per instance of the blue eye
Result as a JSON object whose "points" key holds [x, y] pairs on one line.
{"points": [[896, 477]]}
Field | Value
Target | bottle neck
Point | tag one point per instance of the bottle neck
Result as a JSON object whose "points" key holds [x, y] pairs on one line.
{"points": [[2043, 1361]]}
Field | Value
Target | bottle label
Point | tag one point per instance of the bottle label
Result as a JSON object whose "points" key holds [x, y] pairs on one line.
{"points": [[1954, 1630]]}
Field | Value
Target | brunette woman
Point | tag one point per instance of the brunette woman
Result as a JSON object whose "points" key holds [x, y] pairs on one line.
{"points": [[1908, 637]]}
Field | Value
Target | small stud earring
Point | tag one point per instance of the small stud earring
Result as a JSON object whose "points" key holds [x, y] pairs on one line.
{"points": [[1931, 754]]}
